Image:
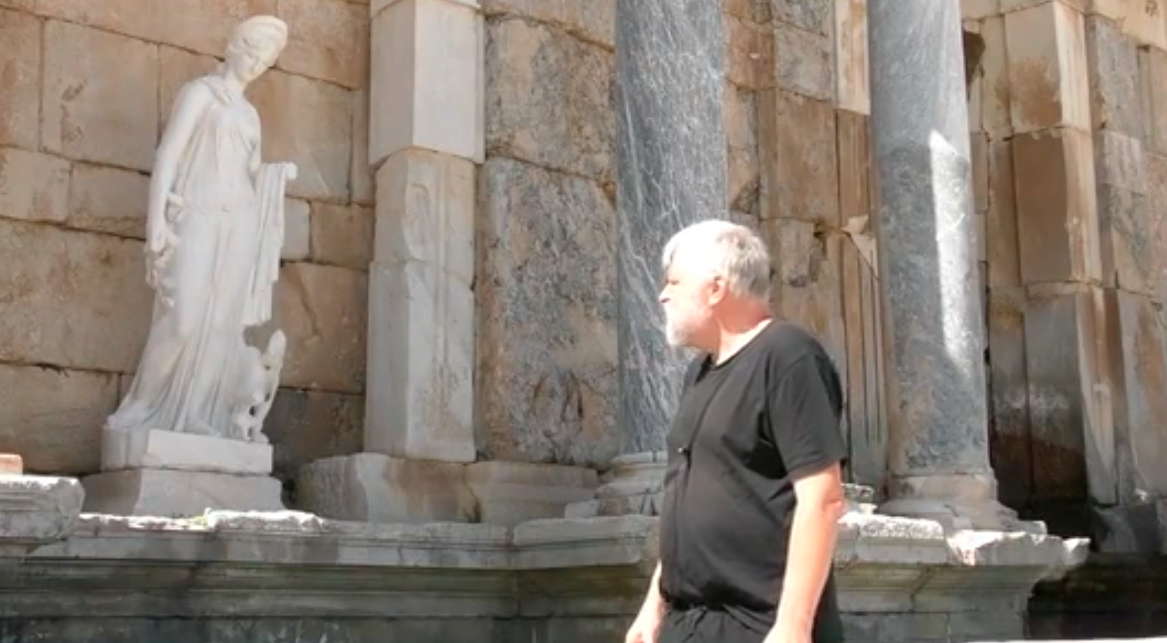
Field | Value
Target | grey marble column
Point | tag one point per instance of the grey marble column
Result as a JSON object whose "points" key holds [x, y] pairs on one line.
{"points": [[929, 286], [671, 171]]}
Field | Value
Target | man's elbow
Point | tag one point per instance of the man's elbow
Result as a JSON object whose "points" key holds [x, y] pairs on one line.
{"points": [[822, 492]]}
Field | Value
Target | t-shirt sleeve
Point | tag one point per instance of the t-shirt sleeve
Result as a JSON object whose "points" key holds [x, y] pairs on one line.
{"points": [[803, 412]]}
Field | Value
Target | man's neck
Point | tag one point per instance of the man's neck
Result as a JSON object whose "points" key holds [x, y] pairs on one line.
{"points": [[734, 339]]}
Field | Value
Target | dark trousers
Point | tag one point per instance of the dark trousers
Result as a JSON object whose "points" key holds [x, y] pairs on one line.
{"points": [[708, 625]]}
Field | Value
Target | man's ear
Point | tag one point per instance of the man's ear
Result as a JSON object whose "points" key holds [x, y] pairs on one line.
{"points": [[717, 290]]}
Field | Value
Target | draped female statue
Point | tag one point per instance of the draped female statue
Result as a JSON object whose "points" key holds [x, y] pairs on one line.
{"points": [[213, 237]]}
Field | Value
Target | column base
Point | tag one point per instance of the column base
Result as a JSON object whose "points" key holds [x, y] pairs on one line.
{"points": [[957, 502], [634, 486]]}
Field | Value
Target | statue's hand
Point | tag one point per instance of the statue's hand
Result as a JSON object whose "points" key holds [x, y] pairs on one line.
{"points": [[160, 239], [291, 171]]}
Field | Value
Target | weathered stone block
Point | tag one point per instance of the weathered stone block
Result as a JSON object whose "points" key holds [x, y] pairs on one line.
{"points": [[797, 144], [1081, 6], [996, 119], [1157, 207], [1057, 212], [1141, 388], [166, 493], [509, 493], [979, 158], [1153, 85], [808, 281], [203, 26], [1009, 395], [1113, 63], [436, 47], [812, 15], [1131, 240], [593, 22], [421, 350], [53, 417], [546, 288], [1146, 22], [304, 426], [307, 122], [1119, 162], [174, 451], [322, 310], [362, 183], [749, 53], [342, 235], [1048, 78], [297, 230], [803, 62], [33, 186], [20, 58], [1073, 446], [1001, 240], [72, 299], [741, 129], [106, 199], [979, 9], [549, 99], [100, 96], [371, 487], [327, 39], [852, 78]]}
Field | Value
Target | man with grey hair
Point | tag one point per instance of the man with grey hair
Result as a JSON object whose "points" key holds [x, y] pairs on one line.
{"points": [[753, 489]]}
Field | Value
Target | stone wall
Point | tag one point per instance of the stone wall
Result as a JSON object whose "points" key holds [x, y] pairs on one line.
{"points": [[1070, 140], [85, 91]]}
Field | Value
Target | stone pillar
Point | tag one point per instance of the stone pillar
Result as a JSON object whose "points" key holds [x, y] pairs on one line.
{"points": [[930, 299], [671, 172], [425, 137]]}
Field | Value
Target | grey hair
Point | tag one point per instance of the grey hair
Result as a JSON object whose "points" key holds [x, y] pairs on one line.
{"points": [[727, 249]]}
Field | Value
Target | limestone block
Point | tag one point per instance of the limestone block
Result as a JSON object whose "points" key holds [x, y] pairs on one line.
{"points": [[72, 299], [362, 182], [426, 78], [979, 9], [322, 309], [172, 494], [100, 96], [803, 61], [1141, 401], [550, 99], [1146, 22], [20, 58], [1073, 445], [154, 449], [1113, 63], [297, 230], [53, 417], [808, 282], [33, 186], [741, 129], [1057, 211], [811, 15], [1001, 241], [854, 154], [546, 289], [994, 81], [1048, 78], [422, 311], [979, 158], [308, 425], [307, 122], [593, 21], [1080, 6], [35, 510], [327, 39], [852, 77], [1153, 86], [11, 463], [203, 25], [797, 144], [371, 487], [1009, 397], [108, 199], [1157, 208], [342, 235], [509, 493], [1131, 239], [749, 53]]}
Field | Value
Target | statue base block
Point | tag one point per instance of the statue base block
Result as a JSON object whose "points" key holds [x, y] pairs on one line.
{"points": [[176, 494], [154, 449]]}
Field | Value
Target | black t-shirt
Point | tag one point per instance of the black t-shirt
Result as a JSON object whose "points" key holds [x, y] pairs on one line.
{"points": [[741, 428]]}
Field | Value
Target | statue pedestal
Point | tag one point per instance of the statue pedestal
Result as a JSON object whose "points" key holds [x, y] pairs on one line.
{"points": [[163, 473]]}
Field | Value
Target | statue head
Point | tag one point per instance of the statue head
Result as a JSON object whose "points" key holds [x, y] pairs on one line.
{"points": [[254, 47]]}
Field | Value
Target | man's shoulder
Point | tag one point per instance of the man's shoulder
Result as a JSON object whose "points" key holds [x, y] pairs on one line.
{"points": [[786, 343]]}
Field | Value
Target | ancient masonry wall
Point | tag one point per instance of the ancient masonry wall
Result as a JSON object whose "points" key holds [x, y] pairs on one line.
{"points": [[86, 90], [1069, 137]]}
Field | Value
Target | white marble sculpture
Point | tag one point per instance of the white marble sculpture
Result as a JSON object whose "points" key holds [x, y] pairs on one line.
{"points": [[214, 232]]}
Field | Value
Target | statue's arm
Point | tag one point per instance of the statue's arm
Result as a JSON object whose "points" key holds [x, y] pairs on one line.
{"points": [[188, 108]]}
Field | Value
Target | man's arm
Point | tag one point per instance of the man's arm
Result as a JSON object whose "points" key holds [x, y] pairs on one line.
{"points": [[811, 550], [646, 628]]}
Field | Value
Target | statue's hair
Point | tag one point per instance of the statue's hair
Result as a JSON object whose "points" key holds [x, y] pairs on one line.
{"points": [[725, 249], [265, 36]]}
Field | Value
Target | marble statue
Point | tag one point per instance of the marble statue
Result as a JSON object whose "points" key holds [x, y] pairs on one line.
{"points": [[214, 232]]}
